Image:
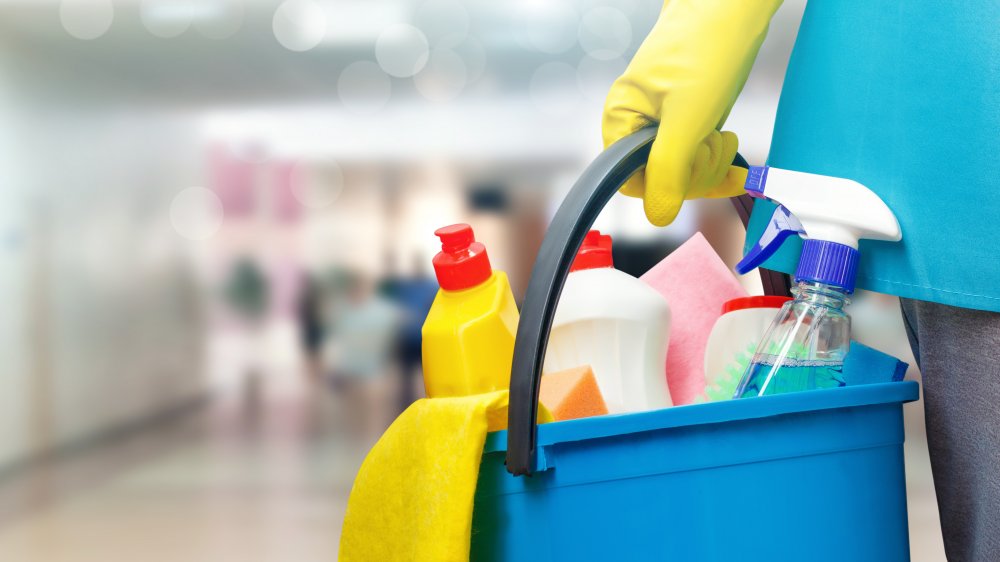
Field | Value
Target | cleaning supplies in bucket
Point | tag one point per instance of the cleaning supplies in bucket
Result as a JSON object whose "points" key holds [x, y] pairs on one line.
{"points": [[468, 336], [413, 496], [807, 342], [696, 283], [616, 324], [733, 340]]}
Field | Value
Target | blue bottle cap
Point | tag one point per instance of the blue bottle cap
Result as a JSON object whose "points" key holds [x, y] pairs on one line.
{"points": [[828, 262]]}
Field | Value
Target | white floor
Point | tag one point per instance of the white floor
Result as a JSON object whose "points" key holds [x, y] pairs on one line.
{"points": [[266, 486]]}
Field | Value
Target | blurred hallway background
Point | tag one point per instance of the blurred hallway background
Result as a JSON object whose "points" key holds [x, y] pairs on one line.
{"points": [[216, 224]]}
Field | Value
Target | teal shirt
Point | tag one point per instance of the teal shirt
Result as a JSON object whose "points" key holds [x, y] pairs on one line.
{"points": [[903, 97]]}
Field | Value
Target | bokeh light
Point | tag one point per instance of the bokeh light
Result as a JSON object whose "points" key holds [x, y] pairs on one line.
{"points": [[474, 56], [596, 76], [364, 88], [317, 182], [196, 213], [444, 77], [165, 18], [605, 33], [225, 20], [629, 7], [402, 50], [299, 25], [445, 23], [558, 33], [86, 19]]}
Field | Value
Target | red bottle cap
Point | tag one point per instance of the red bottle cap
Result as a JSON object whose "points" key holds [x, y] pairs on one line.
{"points": [[766, 301], [462, 262], [595, 252]]}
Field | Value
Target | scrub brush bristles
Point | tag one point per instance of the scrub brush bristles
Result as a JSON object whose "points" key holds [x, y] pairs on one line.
{"points": [[725, 383]]}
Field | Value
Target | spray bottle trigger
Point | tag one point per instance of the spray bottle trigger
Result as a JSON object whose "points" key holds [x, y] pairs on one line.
{"points": [[782, 225]]}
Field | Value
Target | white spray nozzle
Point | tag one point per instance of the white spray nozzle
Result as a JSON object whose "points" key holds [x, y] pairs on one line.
{"points": [[832, 214]]}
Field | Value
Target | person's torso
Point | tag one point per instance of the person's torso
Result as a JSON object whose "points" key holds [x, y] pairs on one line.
{"points": [[903, 97]]}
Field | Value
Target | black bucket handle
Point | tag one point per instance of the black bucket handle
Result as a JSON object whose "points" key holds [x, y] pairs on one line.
{"points": [[599, 182]]}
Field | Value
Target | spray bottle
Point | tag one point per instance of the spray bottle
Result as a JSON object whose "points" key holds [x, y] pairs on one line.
{"points": [[805, 345]]}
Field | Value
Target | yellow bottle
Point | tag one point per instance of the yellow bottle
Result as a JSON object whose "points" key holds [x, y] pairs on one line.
{"points": [[468, 336]]}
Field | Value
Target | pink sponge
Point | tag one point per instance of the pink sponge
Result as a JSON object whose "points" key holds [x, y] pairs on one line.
{"points": [[696, 283]]}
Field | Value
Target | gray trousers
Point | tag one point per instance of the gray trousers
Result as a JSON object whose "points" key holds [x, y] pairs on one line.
{"points": [[958, 351]]}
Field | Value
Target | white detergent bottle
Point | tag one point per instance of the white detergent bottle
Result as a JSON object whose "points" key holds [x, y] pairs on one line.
{"points": [[616, 324]]}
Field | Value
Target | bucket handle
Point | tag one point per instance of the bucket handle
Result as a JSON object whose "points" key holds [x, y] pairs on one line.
{"points": [[599, 182]]}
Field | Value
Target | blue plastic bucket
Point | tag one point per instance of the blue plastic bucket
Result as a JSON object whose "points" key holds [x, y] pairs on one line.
{"points": [[807, 476]]}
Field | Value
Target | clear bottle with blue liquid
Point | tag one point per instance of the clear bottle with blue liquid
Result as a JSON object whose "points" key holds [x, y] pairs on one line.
{"points": [[805, 346]]}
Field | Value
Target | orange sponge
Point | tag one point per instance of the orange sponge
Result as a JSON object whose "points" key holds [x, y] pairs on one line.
{"points": [[572, 394]]}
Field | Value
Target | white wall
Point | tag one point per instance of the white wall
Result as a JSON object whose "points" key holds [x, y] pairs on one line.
{"points": [[99, 308], [15, 269]]}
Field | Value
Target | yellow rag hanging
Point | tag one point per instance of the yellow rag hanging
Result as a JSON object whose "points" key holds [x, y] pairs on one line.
{"points": [[412, 498]]}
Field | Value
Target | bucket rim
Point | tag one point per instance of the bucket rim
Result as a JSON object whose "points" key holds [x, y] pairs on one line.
{"points": [[715, 412]]}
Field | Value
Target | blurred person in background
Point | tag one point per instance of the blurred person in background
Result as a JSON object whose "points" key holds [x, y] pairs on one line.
{"points": [[868, 95], [359, 350], [413, 295], [312, 325], [247, 292]]}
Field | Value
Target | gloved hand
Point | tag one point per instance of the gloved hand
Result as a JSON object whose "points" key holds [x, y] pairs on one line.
{"points": [[686, 77]]}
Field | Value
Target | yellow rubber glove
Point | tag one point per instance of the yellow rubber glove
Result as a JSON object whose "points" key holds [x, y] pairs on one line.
{"points": [[686, 77]]}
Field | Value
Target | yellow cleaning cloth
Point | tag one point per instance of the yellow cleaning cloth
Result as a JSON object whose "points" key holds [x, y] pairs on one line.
{"points": [[412, 498]]}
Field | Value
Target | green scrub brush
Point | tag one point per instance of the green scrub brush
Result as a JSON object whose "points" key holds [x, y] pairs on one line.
{"points": [[725, 383]]}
